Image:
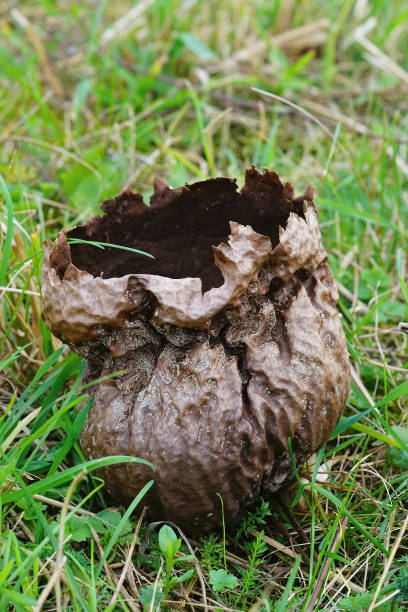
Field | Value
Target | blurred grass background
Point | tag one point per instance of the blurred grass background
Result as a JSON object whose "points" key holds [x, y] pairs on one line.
{"points": [[100, 96]]}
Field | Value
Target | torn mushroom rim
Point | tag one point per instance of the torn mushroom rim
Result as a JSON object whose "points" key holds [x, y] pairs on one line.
{"points": [[77, 305], [181, 225]]}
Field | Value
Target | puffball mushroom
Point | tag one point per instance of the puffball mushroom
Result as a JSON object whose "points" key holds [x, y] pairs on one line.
{"points": [[230, 340]]}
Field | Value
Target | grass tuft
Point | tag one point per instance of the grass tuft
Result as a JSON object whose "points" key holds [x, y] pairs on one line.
{"points": [[105, 96]]}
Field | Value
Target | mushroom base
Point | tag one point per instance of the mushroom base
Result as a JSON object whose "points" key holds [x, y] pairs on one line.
{"points": [[213, 411]]}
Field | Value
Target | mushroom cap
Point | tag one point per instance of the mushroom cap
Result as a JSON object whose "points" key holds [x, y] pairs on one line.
{"points": [[228, 351]]}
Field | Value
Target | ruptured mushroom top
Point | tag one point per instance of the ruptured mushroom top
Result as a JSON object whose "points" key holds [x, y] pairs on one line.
{"points": [[229, 337]]}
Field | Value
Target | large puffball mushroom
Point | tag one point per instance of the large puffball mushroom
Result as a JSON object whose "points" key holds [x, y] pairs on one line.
{"points": [[229, 337]]}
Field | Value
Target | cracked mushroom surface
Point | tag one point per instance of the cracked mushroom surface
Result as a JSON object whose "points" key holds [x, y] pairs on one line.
{"points": [[230, 340]]}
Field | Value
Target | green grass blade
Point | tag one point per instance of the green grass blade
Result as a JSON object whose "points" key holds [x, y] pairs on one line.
{"points": [[282, 605], [6, 252], [102, 245], [119, 526], [60, 478]]}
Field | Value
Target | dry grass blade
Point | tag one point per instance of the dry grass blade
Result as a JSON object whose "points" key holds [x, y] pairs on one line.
{"points": [[55, 577], [320, 109], [20, 427], [126, 22], [359, 383], [401, 163], [323, 574], [387, 598], [56, 148], [58, 504], [112, 576], [128, 559], [156, 584], [388, 564], [382, 60], [35, 40], [61, 534], [268, 94], [196, 565], [347, 294], [19, 291], [39, 198], [309, 35], [274, 543]]}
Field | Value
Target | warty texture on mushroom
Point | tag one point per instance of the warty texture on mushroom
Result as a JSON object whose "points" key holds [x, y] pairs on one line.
{"points": [[230, 340]]}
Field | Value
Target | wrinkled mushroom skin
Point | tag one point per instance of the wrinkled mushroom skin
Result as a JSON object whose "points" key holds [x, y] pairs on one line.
{"points": [[228, 351]]}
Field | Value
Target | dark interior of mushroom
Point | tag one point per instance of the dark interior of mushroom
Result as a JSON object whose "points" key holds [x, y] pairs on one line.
{"points": [[181, 225]]}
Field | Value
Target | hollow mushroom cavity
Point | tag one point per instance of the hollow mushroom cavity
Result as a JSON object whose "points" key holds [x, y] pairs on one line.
{"points": [[229, 338]]}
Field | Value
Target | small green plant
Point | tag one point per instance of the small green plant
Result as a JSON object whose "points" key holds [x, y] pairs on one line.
{"points": [[401, 581], [394, 604], [254, 519], [399, 456], [360, 602], [251, 577], [220, 579], [151, 596], [150, 557], [104, 523], [211, 552], [169, 545]]}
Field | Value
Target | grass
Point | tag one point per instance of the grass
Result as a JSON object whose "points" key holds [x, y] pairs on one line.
{"points": [[94, 104]]}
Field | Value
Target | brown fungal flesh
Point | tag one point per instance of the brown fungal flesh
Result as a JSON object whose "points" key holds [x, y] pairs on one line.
{"points": [[230, 340]]}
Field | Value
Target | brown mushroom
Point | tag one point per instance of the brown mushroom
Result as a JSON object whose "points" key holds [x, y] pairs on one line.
{"points": [[229, 350]]}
